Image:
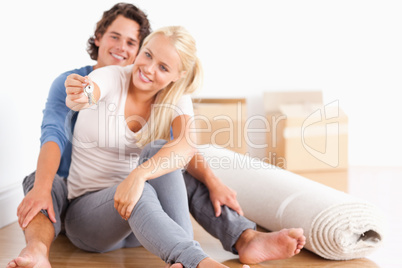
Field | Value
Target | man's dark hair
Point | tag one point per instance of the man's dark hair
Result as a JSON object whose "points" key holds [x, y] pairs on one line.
{"points": [[129, 11]]}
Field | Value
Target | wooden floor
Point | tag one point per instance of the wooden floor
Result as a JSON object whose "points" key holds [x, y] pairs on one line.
{"points": [[380, 186]]}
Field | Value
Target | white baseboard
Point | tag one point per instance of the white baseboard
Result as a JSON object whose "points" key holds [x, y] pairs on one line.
{"points": [[10, 198]]}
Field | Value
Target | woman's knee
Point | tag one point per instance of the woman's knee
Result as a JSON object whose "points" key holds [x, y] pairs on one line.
{"points": [[147, 204]]}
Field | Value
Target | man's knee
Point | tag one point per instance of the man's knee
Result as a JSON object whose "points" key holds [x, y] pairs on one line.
{"points": [[154, 146], [151, 149], [59, 186], [28, 182]]}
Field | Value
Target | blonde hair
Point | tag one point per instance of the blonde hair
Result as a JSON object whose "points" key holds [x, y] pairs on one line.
{"points": [[167, 98]]}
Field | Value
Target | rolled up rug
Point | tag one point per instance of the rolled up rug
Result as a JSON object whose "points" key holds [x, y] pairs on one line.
{"points": [[337, 226]]}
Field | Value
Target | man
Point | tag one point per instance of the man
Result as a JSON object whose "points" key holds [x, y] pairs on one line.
{"points": [[117, 39]]}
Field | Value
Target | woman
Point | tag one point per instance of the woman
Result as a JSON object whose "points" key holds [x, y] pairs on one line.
{"points": [[148, 99], [113, 203]]}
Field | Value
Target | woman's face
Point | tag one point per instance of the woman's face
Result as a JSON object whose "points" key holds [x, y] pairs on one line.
{"points": [[119, 45], [157, 65]]}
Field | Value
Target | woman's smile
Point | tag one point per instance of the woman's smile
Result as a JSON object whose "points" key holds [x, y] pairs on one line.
{"points": [[143, 77]]}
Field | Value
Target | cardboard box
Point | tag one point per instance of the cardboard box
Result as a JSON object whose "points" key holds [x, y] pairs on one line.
{"points": [[305, 135], [221, 122]]}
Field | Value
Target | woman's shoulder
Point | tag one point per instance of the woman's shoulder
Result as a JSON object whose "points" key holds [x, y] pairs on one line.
{"points": [[116, 68], [112, 72], [112, 78], [186, 98], [184, 106]]}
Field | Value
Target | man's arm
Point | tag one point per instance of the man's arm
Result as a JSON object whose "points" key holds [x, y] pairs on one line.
{"points": [[40, 196], [53, 141], [219, 193]]}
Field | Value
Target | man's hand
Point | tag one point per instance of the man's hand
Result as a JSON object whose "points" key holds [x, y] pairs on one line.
{"points": [[35, 201], [221, 195]]}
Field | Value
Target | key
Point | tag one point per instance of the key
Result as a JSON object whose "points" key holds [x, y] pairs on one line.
{"points": [[88, 91]]}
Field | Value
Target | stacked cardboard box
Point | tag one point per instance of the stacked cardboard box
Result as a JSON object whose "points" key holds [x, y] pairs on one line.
{"points": [[308, 137], [221, 122]]}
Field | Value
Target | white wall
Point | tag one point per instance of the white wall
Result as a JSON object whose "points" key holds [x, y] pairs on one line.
{"points": [[352, 50]]}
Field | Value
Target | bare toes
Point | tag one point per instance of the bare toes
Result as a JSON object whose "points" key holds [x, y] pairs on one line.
{"points": [[11, 264], [176, 265], [296, 233]]}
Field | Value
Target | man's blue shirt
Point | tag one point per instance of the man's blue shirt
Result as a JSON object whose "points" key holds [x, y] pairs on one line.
{"points": [[58, 120]]}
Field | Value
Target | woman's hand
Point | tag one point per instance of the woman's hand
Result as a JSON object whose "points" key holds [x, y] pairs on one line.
{"points": [[220, 195], [127, 195], [75, 84]]}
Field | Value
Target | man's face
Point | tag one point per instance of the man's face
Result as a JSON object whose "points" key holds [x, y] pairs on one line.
{"points": [[119, 45]]}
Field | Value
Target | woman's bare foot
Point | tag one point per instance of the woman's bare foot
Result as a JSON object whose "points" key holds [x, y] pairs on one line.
{"points": [[210, 263], [207, 262], [255, 247], [32, 256]]}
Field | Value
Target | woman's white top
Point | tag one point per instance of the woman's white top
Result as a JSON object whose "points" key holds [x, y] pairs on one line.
{"points": [[104, 150]]}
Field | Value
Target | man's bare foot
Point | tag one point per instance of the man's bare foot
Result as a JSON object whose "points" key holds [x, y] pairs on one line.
{"points": [[175, 265], [34, 255], [255, 247]]}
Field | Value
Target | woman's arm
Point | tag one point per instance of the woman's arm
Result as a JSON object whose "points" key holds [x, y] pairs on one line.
{"points": [[174, 155], [76, 100]]}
